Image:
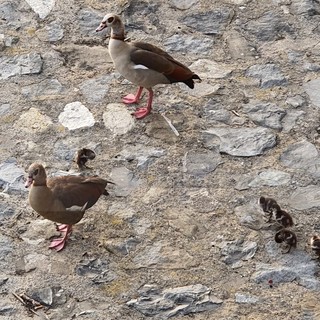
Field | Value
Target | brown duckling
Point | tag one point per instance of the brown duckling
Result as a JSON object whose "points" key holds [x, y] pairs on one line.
{"points": [[284, 218], [82, 156], [315, 244], [63, 199], [269, 205], [286, 236]]}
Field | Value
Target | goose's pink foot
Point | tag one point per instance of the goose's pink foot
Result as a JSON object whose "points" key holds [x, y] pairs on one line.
{"points": [[141, 113], [62, 227], [59, 243], [131, 98]]}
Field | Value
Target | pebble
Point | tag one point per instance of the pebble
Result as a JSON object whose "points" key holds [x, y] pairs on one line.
{"points": [[183, 4], [174, 301], [42, 8], [269, 75], [12, 177], [266, 115], [24, 64], [245, 298], [209, 69], [211, 22], [33, 121], [243, 142], [201, 162], [312, 89], [118, 119], [75, 116], [296, 101]]}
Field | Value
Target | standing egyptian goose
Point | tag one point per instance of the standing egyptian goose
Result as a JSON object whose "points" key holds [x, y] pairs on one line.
{"points": [[63, 199], [143, 64]]}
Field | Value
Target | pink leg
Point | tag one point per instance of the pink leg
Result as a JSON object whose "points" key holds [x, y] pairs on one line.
{"points": [[131, 98], [62, 227], [59, 243], [142, 112]]}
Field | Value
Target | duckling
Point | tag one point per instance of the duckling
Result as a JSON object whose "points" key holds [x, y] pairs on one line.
{"points": [[315, 244], [269, 205], [283, 218], [82, 156], [286, 236]]}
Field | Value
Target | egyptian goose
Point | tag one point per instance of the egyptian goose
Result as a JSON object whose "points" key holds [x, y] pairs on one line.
{"points": [[143, 64], [288, 237], [62, 199]]}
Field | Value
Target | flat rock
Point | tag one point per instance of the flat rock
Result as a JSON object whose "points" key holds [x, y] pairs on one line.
{"points": [[266, 115], [305, 7], [250, 216], [214, 111], [211, 22], [88, 20], [269, 75], [52, 32], [202, 89], [238, 45], [124, 180], [5, 210], [75, 116], [118, 119], [24, 64], [6, 249], [291, 119], [96, 89], [297, 100], [12, 177], [144, 155], [312, 89], [209, 69], [201, 162], [174, 301], [189, 44], [245, 298], [243, 142], [41, 7], [183, 4], [33, 121], [45, 90], [5, 109], [304, 198], [271, 178]]}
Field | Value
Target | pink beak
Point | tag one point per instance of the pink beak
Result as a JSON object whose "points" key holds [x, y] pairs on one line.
{"points": [[28, 182], [101, 27]]}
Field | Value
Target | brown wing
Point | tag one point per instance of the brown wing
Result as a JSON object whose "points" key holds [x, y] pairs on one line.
{"points": [[77, 191], [156, 59]]}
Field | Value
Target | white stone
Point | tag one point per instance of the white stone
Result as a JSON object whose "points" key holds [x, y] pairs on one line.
{"points": [[183, 4], [41, 7], [75, 116], [118, 119], [208, 69]]}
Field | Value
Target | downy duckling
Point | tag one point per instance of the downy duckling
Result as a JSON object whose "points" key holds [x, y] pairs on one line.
{"points": [[288, 237], [283, 218], [269, 205], [315, 244]]}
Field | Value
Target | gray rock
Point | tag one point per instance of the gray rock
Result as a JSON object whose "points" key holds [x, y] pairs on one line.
{"points": [[118, 119], [236, 251], [238, 45], [312, 67], [76, 116], [271, 178], [52, 32], [243, 142], [88, 20], [122, 247], [190, 44], [301, 155], [183, 4], [269, 75], [5, 109], [211, 23], [124, 180], [265, 114], [269, 27], [312, 89], [96, 270], [213, 111], [62, 150], [50, 296], [42, 8], [245, 298], [45, 90], [304, 198], [209, 69], [291, 118], [5, 211], [3, 280], [250, 216], [95, 89], [7, 310], [305, 7], [176, 301], [144, 155], [12, 177], [201, 162], [296, 101], [6, 248], [277, 274], [24, 64]]}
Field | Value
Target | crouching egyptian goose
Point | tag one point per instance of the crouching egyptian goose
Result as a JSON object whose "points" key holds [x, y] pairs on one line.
{"points": [[62, 199], [143, 64]]}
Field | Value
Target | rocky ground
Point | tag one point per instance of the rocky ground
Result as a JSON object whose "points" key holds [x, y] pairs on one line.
{"points": [[181, 234]]}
